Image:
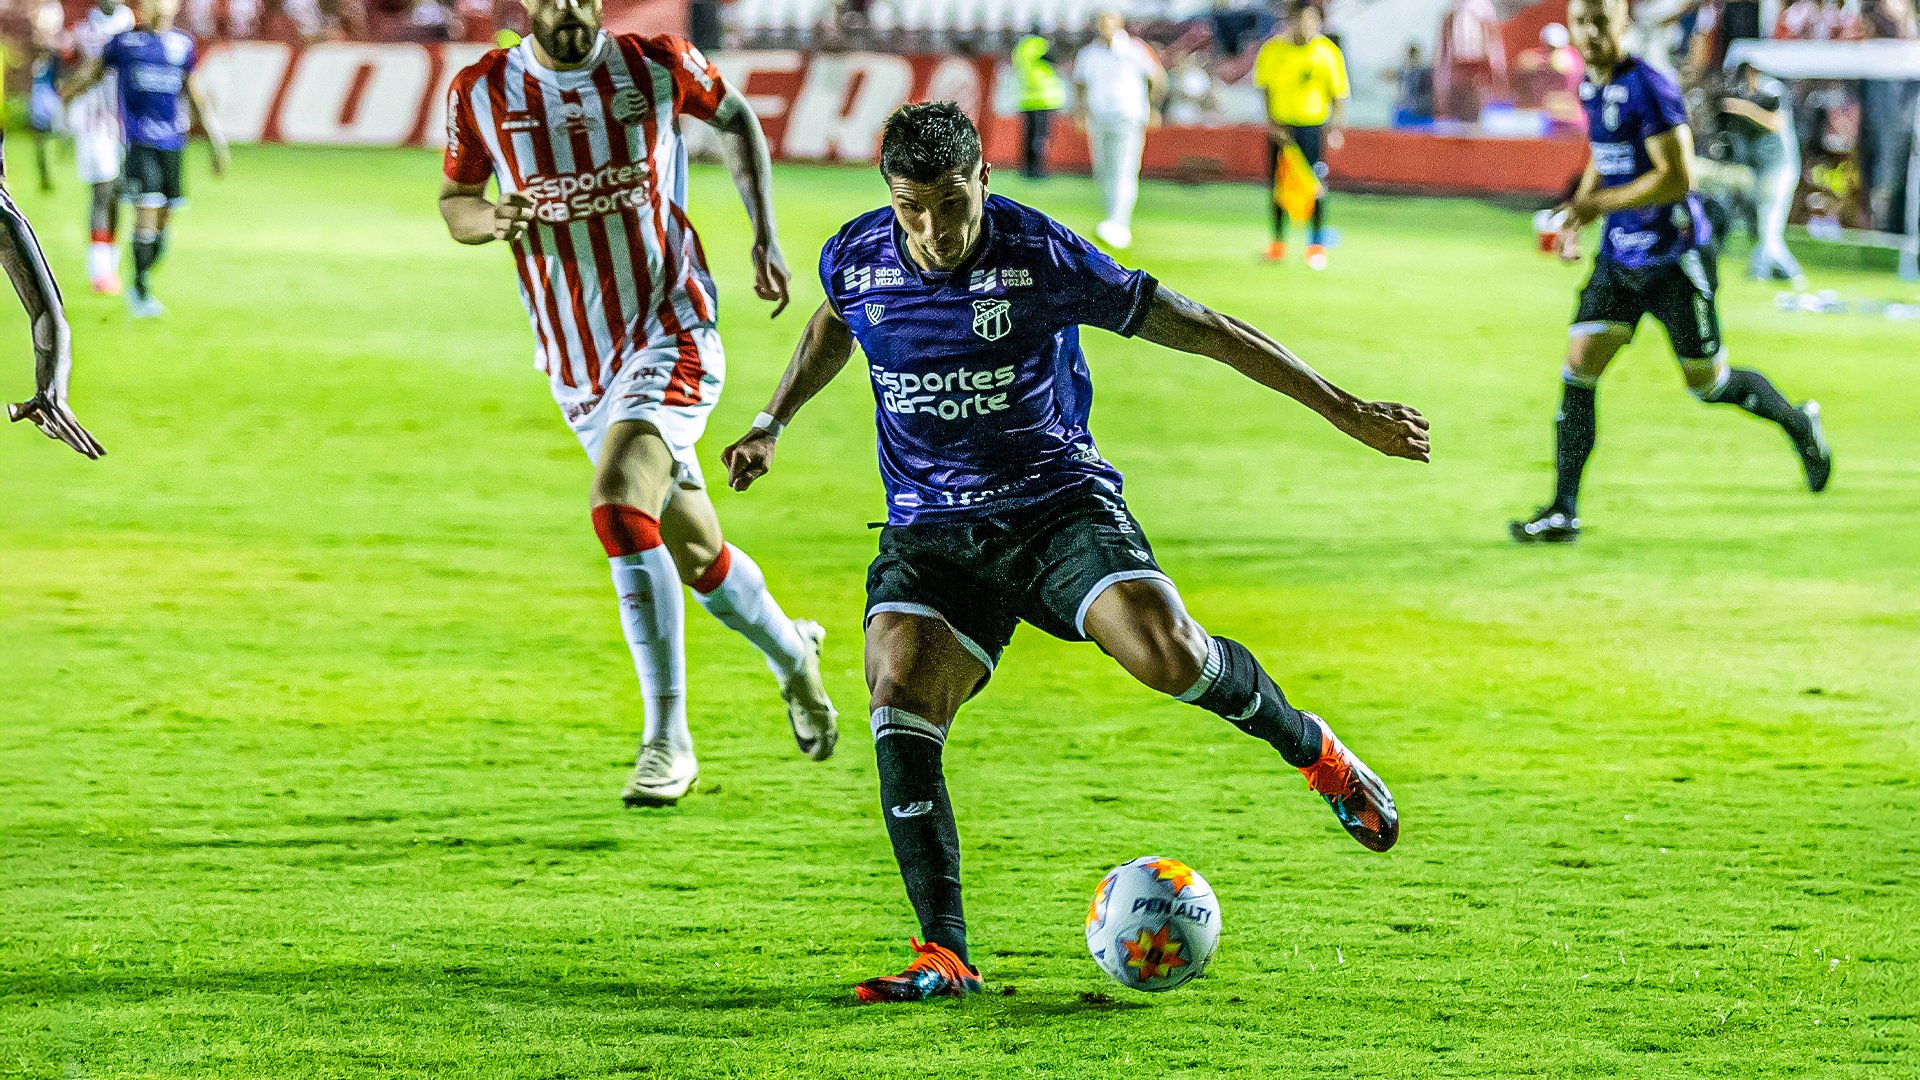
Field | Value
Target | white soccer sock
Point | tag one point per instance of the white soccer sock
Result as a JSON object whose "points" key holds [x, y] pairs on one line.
{"points": [[103, 260], [741, 601], [652, 615]]}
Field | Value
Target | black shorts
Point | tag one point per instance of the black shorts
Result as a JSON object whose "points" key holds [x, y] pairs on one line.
{"points": [[1680, 295], [1041, 564], [1309, 138], [151, 176]]}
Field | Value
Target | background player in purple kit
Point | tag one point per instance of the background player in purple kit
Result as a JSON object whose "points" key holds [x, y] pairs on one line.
{"points": [[159, 99], [1656, 258], [1001, 510]]}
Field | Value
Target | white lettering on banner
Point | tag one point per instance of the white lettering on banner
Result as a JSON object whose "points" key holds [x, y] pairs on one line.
{"points": [[242, 79], [389, 104], [824, 123], [739, 69], [819, 106]]}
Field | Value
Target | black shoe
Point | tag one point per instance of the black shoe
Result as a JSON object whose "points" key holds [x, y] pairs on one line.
{"points": [[1547, 526], [1815, 455]]}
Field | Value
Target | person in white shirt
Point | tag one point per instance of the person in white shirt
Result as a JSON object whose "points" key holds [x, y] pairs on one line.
{"points": [[1117, 81]]}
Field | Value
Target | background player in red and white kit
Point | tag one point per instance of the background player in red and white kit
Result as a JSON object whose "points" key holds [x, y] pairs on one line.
{"points": [[94, 119], [580, 131]]}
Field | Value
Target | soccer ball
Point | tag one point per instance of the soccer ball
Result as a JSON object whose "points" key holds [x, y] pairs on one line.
{"points": [[1153, 923]]}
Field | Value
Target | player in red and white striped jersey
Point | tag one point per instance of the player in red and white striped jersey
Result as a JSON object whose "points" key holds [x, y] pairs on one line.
{"points": [[579, 130]]}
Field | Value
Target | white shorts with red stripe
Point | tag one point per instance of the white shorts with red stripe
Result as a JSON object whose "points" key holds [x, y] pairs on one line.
{"points": [[97, 153], [671, 385]]}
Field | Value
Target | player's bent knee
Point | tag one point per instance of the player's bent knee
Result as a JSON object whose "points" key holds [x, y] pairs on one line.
{"points": [[1166, 655], [1704, 378]]}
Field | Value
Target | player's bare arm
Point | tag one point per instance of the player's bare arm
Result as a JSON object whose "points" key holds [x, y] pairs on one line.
{"points": [[825, 347], [743, 145], [84, 79], [26, 268], [1671, 177], [209, 121], [1179, 323], [472, 218]]}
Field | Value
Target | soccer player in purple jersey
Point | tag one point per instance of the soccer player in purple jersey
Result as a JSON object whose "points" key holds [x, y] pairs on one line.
{"points": [[26, 267], [159, 100], [1656, 258], [999, 507]]}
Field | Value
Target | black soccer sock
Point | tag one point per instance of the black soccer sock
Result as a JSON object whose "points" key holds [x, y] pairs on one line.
{"points": [[1317, 225], [1234, 686], [1751, 391], [1573, 432], [1279, 222], [926, 844], [146, 253]]}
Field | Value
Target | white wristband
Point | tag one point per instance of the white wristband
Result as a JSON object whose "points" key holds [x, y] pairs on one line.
{"points": [[765, 422]]}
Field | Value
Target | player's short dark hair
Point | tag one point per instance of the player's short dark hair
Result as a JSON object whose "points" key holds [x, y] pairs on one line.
{"points": [[928, 140], [1301, 7]]}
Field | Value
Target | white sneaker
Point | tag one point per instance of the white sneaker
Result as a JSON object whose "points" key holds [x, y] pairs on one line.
{"points": [[145, 307], [661, 775], [809, 712], [1114, 235]]}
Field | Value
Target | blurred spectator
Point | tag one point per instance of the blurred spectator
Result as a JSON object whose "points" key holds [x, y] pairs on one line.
{"points": [[430, 20], [1470, 67], [1837, 22], [1757, 122], [1889, 111], [1234, 26], [1192, 95], [1890, 19], [1796, 21], [1117, 79], [1547, 76], [1413, 101], [1042, 95]]}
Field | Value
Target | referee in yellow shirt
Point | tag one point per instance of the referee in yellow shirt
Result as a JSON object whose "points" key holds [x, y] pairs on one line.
{"points": [[1305, 80]]}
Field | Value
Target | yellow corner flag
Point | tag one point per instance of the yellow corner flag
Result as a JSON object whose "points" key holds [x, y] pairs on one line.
{"points": [[1295, 187]]}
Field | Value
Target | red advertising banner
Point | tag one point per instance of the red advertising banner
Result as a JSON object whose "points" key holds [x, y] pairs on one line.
{"points": [[821, 107]]}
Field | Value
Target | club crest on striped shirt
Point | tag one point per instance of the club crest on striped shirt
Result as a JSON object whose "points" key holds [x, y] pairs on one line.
{"points": [[626, 105]]}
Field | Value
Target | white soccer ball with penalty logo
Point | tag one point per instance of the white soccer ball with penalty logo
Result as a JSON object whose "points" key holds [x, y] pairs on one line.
{"points": [[1153, 923]]}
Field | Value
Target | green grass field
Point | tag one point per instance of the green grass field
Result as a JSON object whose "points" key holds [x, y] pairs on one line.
{"points": [[315, 708]]}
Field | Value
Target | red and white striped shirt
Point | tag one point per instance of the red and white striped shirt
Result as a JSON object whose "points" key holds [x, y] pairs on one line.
{"points": [[611, 262]]}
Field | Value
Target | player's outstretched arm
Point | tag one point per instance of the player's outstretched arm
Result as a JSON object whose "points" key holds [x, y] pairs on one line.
{"points": [[26, 266], [825, 347], [83, 80], [744, 147], [472, 219], [1180, 323]]}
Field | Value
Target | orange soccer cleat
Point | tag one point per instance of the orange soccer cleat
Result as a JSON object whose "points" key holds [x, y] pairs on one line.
{"points": [[1316, 257], [936, 971], [1276, 250], [1358, 798]]}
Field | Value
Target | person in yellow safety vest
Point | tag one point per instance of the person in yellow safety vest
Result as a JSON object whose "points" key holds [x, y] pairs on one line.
{"points": [[1042, 94]]}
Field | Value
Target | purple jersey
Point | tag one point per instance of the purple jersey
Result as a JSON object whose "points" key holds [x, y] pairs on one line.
{"points": [[1635, 105], [981, 391], [153, 69]]}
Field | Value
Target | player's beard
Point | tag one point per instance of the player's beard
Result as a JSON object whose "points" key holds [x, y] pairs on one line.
{"points": [[567, 41]]}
